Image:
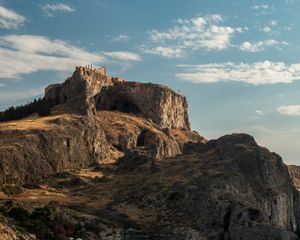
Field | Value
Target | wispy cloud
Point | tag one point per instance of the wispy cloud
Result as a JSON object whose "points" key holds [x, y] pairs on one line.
{"points": [[165, 52], [24, 54], [2, 85], [269, 27], [261, 45], [258, 73], [290, 1], [266, 29], [123, 56], [263, 9], [121, 38], [10, 19], [262, 6], [260, 112], [51, 9], [288, 28], [291, 110], [206, 33]]}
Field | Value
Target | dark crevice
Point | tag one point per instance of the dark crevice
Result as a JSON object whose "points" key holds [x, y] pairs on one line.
{"points": [[124, 106], [227, 224], [141, 139], [119, 147]]}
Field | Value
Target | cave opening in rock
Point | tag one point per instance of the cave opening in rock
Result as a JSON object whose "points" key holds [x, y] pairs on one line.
{"points": [[227, 219], [124, 105], [253, 214], [141, 138]]}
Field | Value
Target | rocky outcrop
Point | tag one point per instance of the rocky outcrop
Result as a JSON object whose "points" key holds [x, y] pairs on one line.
{"points": [[157, 102], [76, 94], [295, 175], [127, 132], [229, 188], [33, 149], [7, 232]]}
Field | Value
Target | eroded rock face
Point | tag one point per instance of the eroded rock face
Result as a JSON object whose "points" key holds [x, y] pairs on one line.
{"points": [[127, 132], [78, 91], [8, 232], [229, 188], [159, 103], [295, 175], [32, 150], [35, 148]]}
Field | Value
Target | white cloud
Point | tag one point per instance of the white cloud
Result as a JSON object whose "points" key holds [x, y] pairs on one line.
{"points": [[292, 110], [273, 23], [263, 6], [261, 45], [258, 73], [2, 85], [269, 27], [121, 38], [266, 29], [10, 19], [165, 52], [192, 34], [288, 28], [123, 56], [24, 54], [260, 112], [263, 9], [50, 9]]}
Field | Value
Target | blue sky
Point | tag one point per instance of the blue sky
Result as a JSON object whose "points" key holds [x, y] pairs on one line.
{"points": [[236, 61]]}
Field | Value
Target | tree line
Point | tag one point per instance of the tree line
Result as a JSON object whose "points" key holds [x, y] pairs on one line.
{"points": [[40, 106]]}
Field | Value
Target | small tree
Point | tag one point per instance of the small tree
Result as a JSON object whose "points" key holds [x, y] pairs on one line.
{"points": [[44, 110]]}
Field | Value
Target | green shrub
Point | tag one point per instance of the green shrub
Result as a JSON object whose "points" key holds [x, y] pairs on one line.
{"points": [[80, 231], [12, 190], [31, 186], [42, 214], [44, 110], [19, 214]]}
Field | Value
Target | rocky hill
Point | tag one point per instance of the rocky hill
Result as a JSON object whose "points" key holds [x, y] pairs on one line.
{"points": [[118, 160]]}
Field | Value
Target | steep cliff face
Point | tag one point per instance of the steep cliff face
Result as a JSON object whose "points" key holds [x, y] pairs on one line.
{"points": [[33, 149], [295, 175], [156, 102], [228, 188], [76, 94]]}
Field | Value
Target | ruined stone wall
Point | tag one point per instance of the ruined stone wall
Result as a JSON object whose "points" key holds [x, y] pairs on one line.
{"points": [[101, 70], [77, 92], [156, 102]]}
